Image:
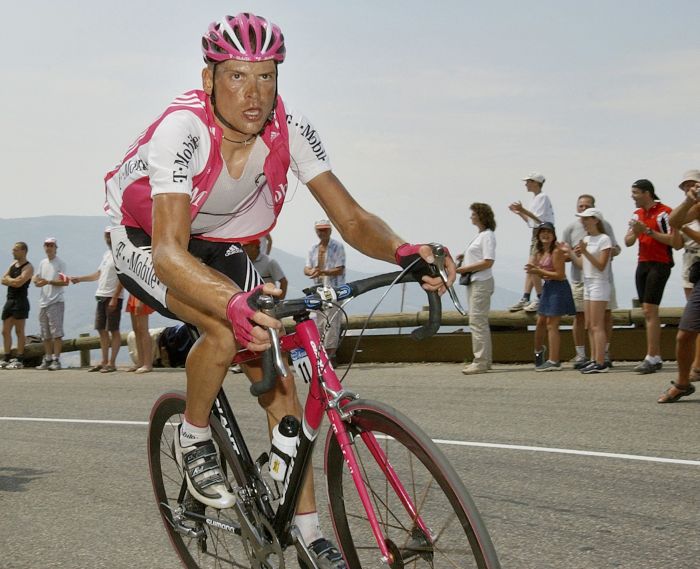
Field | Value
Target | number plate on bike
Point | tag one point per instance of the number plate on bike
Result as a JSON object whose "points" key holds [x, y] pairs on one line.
{"points": [[301, 363]]}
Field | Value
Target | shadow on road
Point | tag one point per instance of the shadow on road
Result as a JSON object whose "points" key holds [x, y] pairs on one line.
{"points": [[17, 479]]}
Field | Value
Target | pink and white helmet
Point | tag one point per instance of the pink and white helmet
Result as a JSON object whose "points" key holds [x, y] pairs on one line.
{"points": [[245, 37]]}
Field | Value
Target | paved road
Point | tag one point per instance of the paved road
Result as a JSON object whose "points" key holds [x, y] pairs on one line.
{"points": [[77, 495]]}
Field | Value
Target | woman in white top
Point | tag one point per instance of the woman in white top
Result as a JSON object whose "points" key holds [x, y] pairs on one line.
{"points": [[593, 255], [477, 261]]}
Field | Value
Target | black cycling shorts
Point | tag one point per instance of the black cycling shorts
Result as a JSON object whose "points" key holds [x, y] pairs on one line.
{"points": [[131, 248], [651, 277]]}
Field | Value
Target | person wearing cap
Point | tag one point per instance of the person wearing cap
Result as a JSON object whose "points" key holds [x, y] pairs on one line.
{"points": [[593, 255], [549, 263], [268, 268], [16, 310], [325, 265], [109, 296], [572, 236], [689, 325], [51, 278], [210, 173], [690, 232], [650, 227], [539, 211]]}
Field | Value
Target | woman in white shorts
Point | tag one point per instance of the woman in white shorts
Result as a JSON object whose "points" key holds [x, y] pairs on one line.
{"points": [[593, 255]]}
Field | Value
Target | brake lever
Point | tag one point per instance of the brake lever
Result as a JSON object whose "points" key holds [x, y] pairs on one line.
{"points": [[266, 304], [439, 255]]}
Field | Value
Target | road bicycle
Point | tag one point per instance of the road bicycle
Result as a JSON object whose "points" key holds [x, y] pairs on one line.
{"points": [[394, 499]]}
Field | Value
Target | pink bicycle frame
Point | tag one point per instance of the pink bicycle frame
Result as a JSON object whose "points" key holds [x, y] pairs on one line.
{"points": [[326, 395]]}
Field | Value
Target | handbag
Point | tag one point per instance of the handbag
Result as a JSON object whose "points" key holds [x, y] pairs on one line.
{"points": [[465, 279]]}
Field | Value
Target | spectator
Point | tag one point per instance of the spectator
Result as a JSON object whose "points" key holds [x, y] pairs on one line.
{"points": [[109, 297], [476, 273], [325, 264], [140, 313], [593, 254], [540, 211], [650, 226], [268, 269], [548, 263], [51, 278], [690, 232], [572, 236], [16, 309], [689, 325], [266, 243]]}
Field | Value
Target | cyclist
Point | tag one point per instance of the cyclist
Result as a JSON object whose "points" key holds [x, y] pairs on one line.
{"points": [[207, 176]]}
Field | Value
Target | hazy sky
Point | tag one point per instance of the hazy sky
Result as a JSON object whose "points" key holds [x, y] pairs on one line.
{"points": [[424, 107]]}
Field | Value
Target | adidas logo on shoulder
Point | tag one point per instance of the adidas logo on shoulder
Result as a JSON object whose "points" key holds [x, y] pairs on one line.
{"points": [[232, 250]]}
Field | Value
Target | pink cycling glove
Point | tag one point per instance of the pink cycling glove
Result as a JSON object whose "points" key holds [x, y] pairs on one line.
{"points": [[240, 311]]}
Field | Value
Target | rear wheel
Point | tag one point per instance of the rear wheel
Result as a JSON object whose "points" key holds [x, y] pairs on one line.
{"points": [[449, 532], [215, 540]]}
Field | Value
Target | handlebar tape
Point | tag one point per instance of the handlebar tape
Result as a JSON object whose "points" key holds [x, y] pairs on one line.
{"points": [[269, 375], [434, 318]]}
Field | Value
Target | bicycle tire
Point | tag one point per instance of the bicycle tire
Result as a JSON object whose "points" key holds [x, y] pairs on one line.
{"points": [[223, 549], [459, 536]]}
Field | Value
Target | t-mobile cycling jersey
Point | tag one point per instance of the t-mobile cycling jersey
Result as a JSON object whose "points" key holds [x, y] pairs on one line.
{"points": [[181, 153]]}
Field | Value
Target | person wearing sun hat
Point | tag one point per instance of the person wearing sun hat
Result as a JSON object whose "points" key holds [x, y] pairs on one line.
{"points": [[689, 325], [325, 265]]}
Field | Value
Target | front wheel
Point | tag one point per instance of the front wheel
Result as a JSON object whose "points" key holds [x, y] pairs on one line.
{"points": [[445, 530]]}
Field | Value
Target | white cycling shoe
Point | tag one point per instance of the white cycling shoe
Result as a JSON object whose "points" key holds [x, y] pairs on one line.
{"points": [[201, 468]]}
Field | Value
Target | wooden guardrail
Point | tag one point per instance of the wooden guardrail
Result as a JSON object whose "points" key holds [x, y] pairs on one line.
{"points": [[510, 325]]}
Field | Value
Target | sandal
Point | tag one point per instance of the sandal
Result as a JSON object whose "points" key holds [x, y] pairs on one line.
{"points": [[682, 392], [144, 369], [98, 367], [132, 368], [108, 369]]}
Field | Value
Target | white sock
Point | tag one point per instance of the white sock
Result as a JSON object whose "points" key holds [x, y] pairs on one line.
{"points": [[190, 434], [309, 527], [581, 351], [653, 359]]}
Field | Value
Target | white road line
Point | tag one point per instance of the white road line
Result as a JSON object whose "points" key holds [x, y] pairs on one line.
{"points": [[437, 441]]}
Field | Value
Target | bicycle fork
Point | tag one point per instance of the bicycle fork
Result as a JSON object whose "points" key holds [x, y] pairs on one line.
{"points": [[346, 447]]}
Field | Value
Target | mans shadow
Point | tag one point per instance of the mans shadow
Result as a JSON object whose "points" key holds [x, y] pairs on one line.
{"points": [[16, 479]]}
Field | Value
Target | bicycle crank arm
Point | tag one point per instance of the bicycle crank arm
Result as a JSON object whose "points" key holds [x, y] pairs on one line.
{"points": [[180, 516]]}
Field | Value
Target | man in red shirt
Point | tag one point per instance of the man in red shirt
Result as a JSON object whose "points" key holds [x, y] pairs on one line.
{"points": [[650, 226]]}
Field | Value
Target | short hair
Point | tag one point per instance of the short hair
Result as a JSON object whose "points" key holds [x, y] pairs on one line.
{"points": [[485, 214], [22, 245], [589, 196]]}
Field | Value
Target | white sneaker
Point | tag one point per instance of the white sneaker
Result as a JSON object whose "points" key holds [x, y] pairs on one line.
{"points": [[15, 364], [473, 369], [522, 303], [533, 306], [54, 365], [200, 465], [4, 364], [44, 364]]}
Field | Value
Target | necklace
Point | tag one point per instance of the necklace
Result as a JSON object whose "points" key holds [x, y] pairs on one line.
{"points": [[243, 142]]}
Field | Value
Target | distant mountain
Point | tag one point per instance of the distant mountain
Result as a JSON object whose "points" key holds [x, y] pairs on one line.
{"points": [[81, 246]]}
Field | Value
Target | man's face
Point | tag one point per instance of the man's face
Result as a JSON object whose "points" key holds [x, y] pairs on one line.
{"points": [[641, 198], [324, 233], [244, 92], [583, 204], [50, 249], [18, 252], [689, 184], [532, 186]]}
